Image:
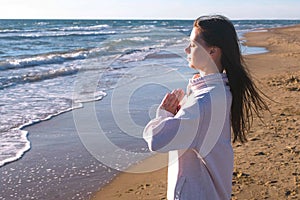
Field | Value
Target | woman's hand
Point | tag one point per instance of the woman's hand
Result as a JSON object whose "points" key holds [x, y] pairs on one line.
{"points": [[171, 101]]}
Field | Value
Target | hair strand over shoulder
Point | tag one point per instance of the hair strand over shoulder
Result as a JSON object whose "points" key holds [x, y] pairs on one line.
{"points": [[217, 30]]}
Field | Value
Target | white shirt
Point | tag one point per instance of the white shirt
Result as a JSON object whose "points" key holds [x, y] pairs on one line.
{"points": [[198, 140]]}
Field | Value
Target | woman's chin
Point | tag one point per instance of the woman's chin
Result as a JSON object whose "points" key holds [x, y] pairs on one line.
{"points": [[191, 66]]}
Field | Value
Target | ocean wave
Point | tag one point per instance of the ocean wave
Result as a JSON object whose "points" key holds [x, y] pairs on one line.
{"points": [[41, 23], [49, 58], [85, 97], [59, 29], [10, 30], [36, 76], [35, 34], [82, 28], [131, 31], [134, 39], [144, 26], [134, 55], [87, 28]]}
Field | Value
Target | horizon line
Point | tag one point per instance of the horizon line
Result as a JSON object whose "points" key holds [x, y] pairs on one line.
{"points": [[161, 19]]}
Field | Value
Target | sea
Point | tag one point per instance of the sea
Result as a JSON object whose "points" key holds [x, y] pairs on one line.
{"points": [[40, 61]]}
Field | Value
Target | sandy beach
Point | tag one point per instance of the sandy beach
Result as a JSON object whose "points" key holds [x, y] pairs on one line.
{"points": [[267, 166]]}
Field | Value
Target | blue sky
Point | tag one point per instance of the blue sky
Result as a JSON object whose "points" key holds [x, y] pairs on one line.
{"points": [[150, 9]]}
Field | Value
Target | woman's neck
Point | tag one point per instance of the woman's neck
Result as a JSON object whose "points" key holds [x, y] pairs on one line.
{"points": [[207, 72], [213, 68]]}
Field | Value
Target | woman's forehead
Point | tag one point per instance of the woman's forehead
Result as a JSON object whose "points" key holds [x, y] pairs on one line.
{"points": [[194, 33], [196, 36]]}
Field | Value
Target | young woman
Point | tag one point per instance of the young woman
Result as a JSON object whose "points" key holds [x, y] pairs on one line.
{"points": [[196, 128]]}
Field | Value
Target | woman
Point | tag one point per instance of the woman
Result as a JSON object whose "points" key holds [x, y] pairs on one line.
{"points": [[196, 128]]}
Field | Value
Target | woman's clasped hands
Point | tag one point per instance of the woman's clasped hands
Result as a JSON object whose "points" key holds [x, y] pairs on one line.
{"points": [[171, 101]]}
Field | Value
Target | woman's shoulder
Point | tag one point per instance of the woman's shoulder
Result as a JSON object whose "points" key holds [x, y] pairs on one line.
{"points": [[212, 94]]}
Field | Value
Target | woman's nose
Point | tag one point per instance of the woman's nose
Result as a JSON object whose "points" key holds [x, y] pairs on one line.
{"points": [[187, 50]]}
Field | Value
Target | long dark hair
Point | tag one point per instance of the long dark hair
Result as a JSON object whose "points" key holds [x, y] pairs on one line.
{"points": [[218, 31]]}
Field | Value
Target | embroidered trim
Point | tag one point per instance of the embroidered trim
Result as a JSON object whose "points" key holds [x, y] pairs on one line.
{"points": [[203, 82]]}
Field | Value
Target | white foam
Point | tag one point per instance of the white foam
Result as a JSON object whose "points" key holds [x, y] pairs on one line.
{"points": [[14, 143], [31, 103], [138, 55], [88, 97]]}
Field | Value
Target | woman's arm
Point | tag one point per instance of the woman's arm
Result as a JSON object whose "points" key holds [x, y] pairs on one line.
{"points": [[172, 132]]}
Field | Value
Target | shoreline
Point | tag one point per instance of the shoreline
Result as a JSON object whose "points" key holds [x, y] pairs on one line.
{"points": [[57, 166], [60, 164], [25, 134], [247, 181]]}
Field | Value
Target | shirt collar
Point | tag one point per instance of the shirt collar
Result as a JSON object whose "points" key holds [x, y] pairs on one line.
{"points": [[199, 82]]}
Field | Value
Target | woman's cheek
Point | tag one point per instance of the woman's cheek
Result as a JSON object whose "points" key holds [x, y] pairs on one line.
{"points": [[200, 59], [196, 62]]}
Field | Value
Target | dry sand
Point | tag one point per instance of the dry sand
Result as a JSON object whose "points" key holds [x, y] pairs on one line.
{"points": [[267, 166]]}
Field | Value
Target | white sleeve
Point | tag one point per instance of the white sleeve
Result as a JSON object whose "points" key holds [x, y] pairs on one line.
{"points": [[168, 132]]}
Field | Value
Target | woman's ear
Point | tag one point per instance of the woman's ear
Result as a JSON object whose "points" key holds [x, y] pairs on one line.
{"points": [[215, 52]]}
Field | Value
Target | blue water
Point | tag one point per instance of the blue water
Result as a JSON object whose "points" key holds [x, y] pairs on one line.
{"points": [[40, 61]]}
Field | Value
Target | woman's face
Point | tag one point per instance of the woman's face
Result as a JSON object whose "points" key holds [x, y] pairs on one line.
{"points": [[197, 51]]}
